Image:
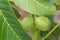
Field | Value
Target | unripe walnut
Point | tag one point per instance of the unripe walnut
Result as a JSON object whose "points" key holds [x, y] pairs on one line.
{"points": [[27, 23], [42, 23]]}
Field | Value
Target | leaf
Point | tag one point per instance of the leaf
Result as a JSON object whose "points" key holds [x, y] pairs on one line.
{"points": [[37, 7], [14, 9], [16, 13], [57, 32], [1, 22], [52, 37], [10, 28]]}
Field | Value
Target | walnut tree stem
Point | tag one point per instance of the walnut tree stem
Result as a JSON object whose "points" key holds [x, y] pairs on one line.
{"points": [[51, 32]]}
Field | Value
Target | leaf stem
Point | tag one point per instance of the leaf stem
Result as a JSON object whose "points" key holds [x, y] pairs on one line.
{"points": [[42, 38], [51, 31], [36, 32], [36, 35]]}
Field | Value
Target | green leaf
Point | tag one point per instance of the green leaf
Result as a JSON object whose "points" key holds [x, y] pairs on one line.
{"points": [[14, 9], [10, 28], [57, 32], [37, 7], [16, 13], [52, 37], [1, 22]]}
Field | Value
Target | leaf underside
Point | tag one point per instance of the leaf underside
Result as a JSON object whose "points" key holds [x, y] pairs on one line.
{"points": [[37, 7]]}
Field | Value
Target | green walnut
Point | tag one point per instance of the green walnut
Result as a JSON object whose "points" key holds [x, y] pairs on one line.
{"points": [[27, 23], [42, 23]]}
